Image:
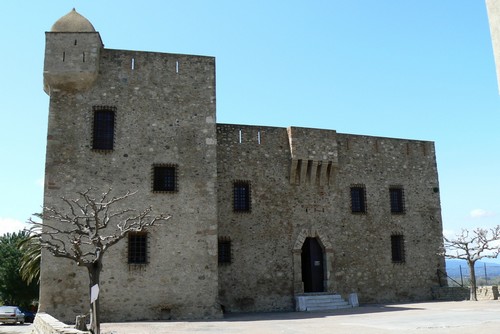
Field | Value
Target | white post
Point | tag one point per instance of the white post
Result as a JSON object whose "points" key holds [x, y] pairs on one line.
{"points": [[353, 299]]}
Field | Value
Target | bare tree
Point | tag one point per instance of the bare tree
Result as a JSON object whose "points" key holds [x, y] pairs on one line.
{"points": [[87, 228], [472, 246]]}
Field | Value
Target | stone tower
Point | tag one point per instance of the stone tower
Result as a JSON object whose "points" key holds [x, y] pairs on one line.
{"points": [[72, 51], [133, 121]]}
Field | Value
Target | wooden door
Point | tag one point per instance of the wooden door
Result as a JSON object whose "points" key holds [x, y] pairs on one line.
{"points": [[312, 266]]}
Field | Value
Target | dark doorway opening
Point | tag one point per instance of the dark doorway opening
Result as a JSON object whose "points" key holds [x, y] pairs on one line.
{"points": [[312, 266]]}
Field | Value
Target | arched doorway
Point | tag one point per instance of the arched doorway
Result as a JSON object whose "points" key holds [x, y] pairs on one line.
{"points": [[313, 273]]}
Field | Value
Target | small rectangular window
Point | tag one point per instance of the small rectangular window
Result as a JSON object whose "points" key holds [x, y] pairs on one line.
{"points": [[397, 200], [165, 178], [224, 248], [104, 128], [397, 248], [358, 199], [137, 248], [241, 196]]}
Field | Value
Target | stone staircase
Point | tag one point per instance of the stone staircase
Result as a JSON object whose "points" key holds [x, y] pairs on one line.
{"points": [[323, 302]]}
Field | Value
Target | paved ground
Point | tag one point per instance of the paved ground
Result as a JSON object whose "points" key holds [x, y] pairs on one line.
{"points": [[15, 329], [418, 318]]}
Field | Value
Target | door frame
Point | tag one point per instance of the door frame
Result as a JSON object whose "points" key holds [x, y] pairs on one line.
{"points": [[328, 283]]}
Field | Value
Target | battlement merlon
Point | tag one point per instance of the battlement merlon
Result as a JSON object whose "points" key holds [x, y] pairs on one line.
{"points": [[313, 144]]}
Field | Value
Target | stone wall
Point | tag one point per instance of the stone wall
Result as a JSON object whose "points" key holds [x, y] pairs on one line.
{"points": [[459, 293], [165, 114], [265, 268], [449, 293], [45, 324]]}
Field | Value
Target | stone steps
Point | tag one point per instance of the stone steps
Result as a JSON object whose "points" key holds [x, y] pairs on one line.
{"points": [[322, 302]]}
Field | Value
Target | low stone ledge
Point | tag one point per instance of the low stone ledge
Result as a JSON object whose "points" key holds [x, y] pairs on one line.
{"points": [[459, 293], [448, 293], [487, 292], [46, 324]]}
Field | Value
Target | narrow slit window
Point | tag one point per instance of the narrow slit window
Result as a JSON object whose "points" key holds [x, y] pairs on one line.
{"points": [[64, 56], [176, 66], [358, 199], [83, 57], [224, 251], [104, 128], [397, 248], [240, 136], [132, 65], [137, 248], [397, 200], [258, 137], [241, 196]]}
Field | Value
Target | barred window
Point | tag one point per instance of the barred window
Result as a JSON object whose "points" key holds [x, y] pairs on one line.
{"points": [[397, 199], [241, 196], [104, 128], [358, 199], [398, 248], [165, 178], [137, 248], [224, 247]]}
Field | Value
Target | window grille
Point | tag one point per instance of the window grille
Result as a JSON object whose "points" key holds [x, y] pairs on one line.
{"points": [[164, 178], [224, 247], [358, 199], [104, 128], [397, 248], [137, 248], [397, 200], [241, 196]]}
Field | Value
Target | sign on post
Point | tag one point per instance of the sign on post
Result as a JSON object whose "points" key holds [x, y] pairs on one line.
{"points": [[94, 293]]}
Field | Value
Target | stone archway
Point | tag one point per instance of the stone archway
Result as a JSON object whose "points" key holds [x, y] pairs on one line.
{"points": [[297, 259]]}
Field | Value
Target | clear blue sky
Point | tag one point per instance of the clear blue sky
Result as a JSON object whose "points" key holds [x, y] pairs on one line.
{"points": [[419, 69]]}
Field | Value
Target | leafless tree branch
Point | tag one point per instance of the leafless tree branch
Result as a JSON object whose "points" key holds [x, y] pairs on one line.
{"points": [[472, 246], [82, 232]]}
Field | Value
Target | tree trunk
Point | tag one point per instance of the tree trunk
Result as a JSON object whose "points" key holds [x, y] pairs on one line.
{"points": [[473, 287], [94, 274]]}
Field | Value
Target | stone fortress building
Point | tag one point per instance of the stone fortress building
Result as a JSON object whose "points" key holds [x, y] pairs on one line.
{"points": [[260, 215]]}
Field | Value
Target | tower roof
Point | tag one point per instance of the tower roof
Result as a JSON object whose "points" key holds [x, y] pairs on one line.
{"points": [[72, 22]]}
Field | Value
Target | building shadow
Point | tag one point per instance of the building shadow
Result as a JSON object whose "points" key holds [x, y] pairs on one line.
{"points": [[362, 309]]}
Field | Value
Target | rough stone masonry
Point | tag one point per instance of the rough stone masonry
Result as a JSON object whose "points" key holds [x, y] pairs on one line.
{"points": [[259, 214]]}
